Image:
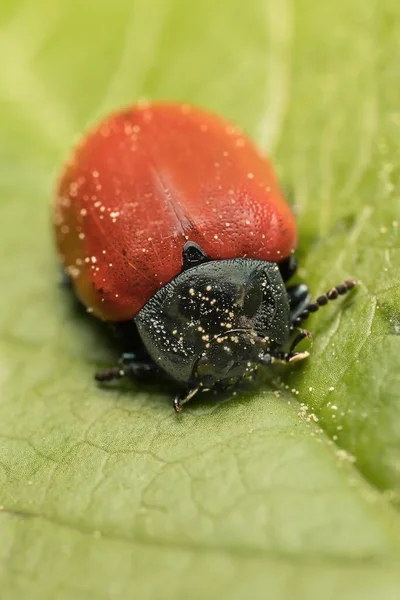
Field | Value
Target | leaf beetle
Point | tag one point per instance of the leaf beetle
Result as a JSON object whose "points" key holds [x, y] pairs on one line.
{"points": [[170, 223]]}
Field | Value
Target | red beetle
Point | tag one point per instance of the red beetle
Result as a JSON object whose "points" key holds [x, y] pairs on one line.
{"points": [[170, 223]]}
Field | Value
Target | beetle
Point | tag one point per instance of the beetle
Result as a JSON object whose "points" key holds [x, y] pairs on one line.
{"points": [[171, 225]]}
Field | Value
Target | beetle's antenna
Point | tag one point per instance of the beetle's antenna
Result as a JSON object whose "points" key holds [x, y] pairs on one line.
{"points": [[335, 292]]}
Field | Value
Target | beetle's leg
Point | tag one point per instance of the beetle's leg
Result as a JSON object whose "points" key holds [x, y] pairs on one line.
{"points": [[289, 357], [287, 267], [338, 290], [184, 397], [302, 335], [283, 357], [110, 374], [277, 356], [299, 298], [128, 366]]}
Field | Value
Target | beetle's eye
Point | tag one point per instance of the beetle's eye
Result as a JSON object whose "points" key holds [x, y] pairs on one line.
{"points": [[252, 301]]}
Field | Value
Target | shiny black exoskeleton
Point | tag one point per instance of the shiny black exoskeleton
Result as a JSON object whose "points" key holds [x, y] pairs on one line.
{"points": [[217, 321]]}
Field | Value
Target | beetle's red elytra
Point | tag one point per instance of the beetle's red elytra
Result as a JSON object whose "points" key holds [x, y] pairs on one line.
{"points": [[169, 220]]}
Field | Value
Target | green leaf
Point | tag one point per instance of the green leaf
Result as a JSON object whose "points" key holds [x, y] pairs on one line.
{"points": [[107, 494]]}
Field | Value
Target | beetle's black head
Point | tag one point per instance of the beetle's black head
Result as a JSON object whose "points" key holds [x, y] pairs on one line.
{"points": [[215, 321]]}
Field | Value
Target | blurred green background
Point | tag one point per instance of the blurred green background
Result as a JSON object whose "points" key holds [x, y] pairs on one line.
{"points": [[110, 495]]}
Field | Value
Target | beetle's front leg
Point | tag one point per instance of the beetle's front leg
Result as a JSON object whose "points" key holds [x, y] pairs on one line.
{"points": [[128, 366], [299, 297], [292, 356], [289, 357], [184, 397]]}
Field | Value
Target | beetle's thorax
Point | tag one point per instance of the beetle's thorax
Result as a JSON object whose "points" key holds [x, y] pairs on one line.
{"points": [[214, 321]]}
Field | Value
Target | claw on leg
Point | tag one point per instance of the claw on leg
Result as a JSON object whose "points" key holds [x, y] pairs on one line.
{"points": [[296, 356], [182, 398], [284, 358], [302, 335]]}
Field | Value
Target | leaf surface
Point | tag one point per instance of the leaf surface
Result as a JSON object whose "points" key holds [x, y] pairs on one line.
{"points": [[107, 494]]}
